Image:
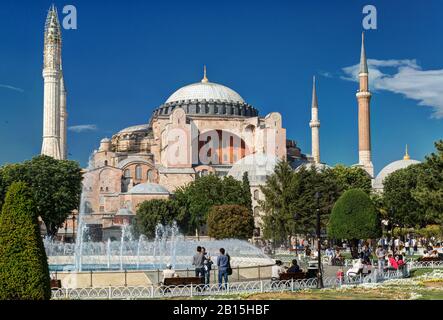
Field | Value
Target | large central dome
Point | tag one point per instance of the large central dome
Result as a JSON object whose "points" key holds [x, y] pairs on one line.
{"points": [[205, 91]]}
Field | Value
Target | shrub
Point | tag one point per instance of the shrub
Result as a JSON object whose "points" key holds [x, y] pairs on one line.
{"points": [[230, 221], [354, 217], [24, 272]]}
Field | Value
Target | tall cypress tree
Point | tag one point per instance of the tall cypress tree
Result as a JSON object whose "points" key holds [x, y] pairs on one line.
{"points": [[24, 272], [247, 191]]}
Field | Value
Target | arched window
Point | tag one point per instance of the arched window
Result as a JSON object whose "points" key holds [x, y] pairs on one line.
{"points": [[256, 211], [106, 163], [150, 176], [127, 173], [256, 195], [138, 172]]}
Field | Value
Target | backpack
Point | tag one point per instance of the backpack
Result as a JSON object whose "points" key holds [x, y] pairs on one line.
{"points": [[229, 269]]}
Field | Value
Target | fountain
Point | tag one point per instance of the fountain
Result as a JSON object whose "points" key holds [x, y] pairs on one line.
{"points": [[167, 247]]}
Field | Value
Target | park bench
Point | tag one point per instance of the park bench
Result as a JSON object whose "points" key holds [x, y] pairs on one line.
{"points": [[292, 276], [183, 281], [430, 259], [55, 284]]}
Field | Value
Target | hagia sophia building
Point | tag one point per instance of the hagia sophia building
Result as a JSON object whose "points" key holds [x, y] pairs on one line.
{"points": [[202, 128]]}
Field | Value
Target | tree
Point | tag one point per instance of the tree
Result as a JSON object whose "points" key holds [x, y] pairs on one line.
{"points": [[24, 272], [429, 190], [352, 178], [55, 184], [278, 203], [354, 217], [230, 221], [193, 202], [246, 188], [401, 207], [152, 212]]}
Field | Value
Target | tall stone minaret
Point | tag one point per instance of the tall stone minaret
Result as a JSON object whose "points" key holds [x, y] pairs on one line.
{"points": [[63, 119], [52, 77], [315, 126], [364, 117]]}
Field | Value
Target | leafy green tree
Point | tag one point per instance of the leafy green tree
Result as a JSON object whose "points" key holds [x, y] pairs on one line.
{"points": [[55, 184], [193, 202], [402, 209], [230, 221], [152, 212], [24, 272], [354, 217], [429, 190], [352, 178]]}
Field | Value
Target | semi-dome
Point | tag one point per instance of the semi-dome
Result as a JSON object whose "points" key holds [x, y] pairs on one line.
{"points": [[259, 166], [140, 127], [390, 168], [149, 188], [205, 91]]}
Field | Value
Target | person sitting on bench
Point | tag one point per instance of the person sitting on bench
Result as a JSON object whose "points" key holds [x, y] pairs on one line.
{"points": [[169, 272], [357, 268], [294, 268]]}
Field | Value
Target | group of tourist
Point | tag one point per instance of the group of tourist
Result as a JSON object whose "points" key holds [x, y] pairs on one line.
{"points": [[279, 269], [203, 266], [202, 262]]}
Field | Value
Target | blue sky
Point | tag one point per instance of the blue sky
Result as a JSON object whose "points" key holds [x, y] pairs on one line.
{"points": [[127, 57]]}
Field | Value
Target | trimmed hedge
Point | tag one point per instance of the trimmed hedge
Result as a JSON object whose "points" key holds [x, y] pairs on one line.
{"points": [[230, 221], [354, 216], [24, 272]]}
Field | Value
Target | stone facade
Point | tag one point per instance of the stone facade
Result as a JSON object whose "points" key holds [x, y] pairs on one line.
{"points": [[182, 140]]}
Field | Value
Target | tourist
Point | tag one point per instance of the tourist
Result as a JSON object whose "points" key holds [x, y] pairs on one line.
{"points": [[169, 272], [223, 264], [207, 265], [392, 262], [357, 268], [276, 271], [338, 259], [434, 254], [365, 255], [340, 275], [381, 254], [408, 247], [415, 245], [294, 268], [330, 254], [400, 261], [307, 252], [197, 262]]}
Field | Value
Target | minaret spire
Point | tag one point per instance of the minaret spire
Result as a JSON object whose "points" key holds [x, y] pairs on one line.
{"points": [[205, 79], [364, 117], [363, 61], [315, 125], [52, 75], [406, 156]]}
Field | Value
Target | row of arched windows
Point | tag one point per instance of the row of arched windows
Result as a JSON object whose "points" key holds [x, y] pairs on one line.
{"points": [[139, 174]]}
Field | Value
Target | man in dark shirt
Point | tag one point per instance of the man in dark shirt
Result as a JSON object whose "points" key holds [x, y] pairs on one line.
{"points": [[294, 267], [223, 265]]}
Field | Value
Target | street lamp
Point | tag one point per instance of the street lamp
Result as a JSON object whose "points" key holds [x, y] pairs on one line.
{"points": [[73, 227], [296, 240], [319, 272]]}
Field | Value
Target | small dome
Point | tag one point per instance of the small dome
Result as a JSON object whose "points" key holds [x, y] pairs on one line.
{"points": [[259, 167], [205, 91], [140, 127], [393, 166], [148, 188]]}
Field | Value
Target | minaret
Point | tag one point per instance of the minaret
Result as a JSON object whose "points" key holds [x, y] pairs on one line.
{"points": [[315, 126], [364, 118], [406, 156], [63, 119], [52, 76]]}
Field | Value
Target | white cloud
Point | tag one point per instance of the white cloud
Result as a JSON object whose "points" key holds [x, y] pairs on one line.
{"points": [[11, 88], [404, 77], [83, 128]]}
